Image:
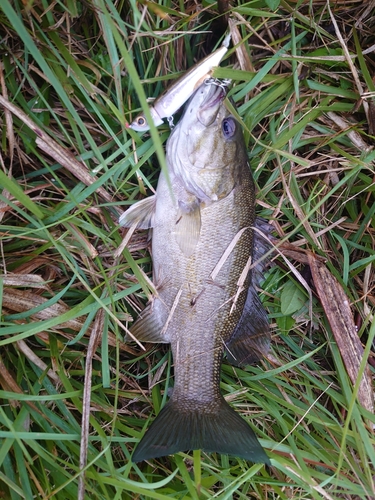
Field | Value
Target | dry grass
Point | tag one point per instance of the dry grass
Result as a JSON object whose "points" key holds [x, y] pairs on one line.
{"points": [[71, 75]]}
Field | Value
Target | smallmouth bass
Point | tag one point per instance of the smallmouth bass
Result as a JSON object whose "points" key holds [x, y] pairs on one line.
{"points": [[202, 245]]}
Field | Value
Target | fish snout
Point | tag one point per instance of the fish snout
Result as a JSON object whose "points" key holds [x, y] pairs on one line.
{"points": [[212, 93]]}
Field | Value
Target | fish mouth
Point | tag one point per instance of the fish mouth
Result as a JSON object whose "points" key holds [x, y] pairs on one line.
{"points": [[217, 94], [209, 108]]}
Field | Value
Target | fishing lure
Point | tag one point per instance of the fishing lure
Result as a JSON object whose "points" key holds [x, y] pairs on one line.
{"points": [[177, 94]]}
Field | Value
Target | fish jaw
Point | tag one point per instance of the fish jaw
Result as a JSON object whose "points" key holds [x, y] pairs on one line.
{"points": [[208, 112], [203, 107]]}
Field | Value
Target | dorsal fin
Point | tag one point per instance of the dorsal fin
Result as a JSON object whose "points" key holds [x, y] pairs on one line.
{"points": [[251, 337]]}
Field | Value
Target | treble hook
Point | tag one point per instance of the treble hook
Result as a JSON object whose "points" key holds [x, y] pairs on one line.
{"points": [[224, 84]]}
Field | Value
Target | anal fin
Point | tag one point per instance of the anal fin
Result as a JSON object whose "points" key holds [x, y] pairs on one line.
{"points": [[149, 327]]}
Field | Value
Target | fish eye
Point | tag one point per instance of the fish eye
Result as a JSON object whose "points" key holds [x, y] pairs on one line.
{"points": [[141, 121], [228, 126]]}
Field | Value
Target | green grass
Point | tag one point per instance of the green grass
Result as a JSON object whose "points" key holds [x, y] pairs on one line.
{"points": [[78, 71]]}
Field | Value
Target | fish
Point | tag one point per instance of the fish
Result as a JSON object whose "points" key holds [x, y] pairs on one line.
{"points": [[202, 218], [170, 101]]}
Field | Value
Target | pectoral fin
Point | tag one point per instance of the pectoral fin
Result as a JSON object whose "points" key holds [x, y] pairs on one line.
{"points": [[251, 337], [140, 214], [150, 324], [187, 230]]}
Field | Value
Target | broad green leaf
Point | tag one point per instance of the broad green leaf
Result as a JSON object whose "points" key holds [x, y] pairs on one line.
{"points": [[292, 298]]}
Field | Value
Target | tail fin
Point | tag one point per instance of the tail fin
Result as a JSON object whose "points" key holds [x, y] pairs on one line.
{"points": [[181, 428]]}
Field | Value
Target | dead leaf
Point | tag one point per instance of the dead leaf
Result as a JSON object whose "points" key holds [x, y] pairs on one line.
{"points": [[27, 280], [294, 252], [241, 53], [371, 118], [95, 337], [337, 308], [351, 133], [8, 383], [29, 353], [62, 155], [23, 300], [8, 117]]}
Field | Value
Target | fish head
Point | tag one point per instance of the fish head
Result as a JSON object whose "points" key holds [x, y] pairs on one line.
{"points": [[207, 146]]}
